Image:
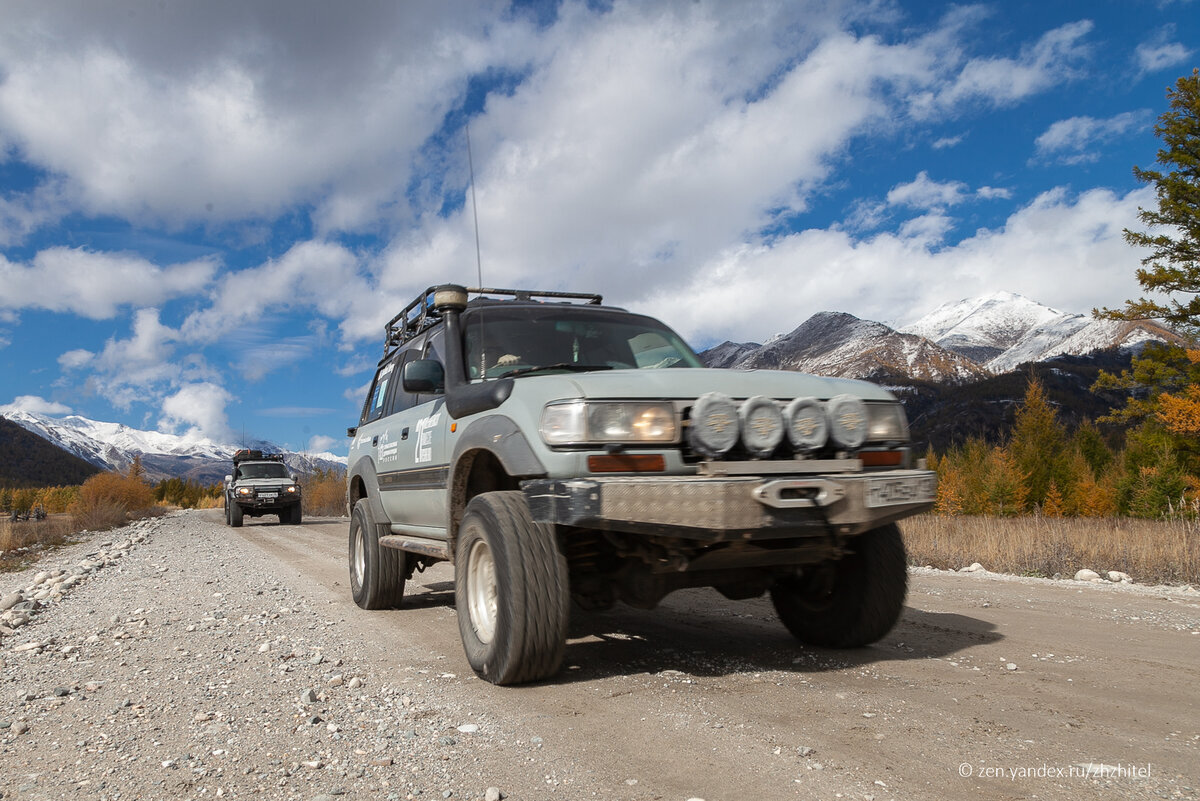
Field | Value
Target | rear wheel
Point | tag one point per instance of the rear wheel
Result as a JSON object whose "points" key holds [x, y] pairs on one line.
{"points": [[376, 573], [851, 602], [510, 590]]}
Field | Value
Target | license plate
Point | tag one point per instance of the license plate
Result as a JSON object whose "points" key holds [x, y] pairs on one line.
{"points": [[268, 494], [895, 491]]}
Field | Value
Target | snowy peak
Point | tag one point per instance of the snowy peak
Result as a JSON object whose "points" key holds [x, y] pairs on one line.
{"points": [[113, 446], [842, 345], [983, 328], [957, 341]]}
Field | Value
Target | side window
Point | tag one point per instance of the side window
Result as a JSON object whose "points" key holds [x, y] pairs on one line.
{"points": [[404, 400], [433, 350], [377, 399]]}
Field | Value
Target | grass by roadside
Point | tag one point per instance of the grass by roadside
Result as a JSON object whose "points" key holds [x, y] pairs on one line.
{"points": [[1151, 552]]}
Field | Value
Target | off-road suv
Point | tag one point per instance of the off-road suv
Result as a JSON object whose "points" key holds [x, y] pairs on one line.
{"points": [[558, 450], [261, 485]]}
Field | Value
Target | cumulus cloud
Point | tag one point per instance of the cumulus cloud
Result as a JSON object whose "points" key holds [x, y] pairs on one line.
{"points": [[1159, 53], [218, 111], [199, 409], [1067, 251], [1074, 140], [35, 405], [317, 275], [95, 285]]}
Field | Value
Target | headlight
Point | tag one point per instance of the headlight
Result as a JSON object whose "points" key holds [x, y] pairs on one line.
{"points": [[886, 423], [245, 491], [847, 421], [807, 426], [762, 426], [714, 427], [292, 488], [584, 422]]}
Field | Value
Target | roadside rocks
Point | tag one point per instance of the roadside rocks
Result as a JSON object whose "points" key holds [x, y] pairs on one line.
{"points": [[51, 585], [1112, 576]]}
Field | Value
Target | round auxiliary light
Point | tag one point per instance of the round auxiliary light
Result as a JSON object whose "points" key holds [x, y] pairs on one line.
{"points": [[762, 426], [807, 426], [847, 421], [714, 426]]}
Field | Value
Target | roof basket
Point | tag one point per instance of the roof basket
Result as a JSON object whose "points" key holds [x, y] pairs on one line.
{"points": [[421, 314], [248, 455]]}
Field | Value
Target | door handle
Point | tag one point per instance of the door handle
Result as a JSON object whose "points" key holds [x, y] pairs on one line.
{"points": [[404, 433], [374, 440]]}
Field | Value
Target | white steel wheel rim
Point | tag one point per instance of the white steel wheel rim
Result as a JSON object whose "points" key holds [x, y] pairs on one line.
{"points": [[482, 591], [360, 562]]}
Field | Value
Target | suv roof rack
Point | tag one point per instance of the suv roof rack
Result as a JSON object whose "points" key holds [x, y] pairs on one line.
{"points": [[421, 314], [248, 455]]}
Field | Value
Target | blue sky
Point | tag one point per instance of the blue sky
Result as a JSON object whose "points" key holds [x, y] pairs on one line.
{"points": [[208, 209]]}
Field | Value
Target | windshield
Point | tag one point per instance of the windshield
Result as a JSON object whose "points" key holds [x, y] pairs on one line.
{"points": [[523, 339], [263, 470]]}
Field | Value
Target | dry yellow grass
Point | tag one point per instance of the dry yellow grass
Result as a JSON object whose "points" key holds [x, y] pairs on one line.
{"points": [[1149, 551]]}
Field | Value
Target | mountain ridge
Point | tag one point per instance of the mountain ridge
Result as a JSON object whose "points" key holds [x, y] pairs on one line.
{"points": [[113, 446]]}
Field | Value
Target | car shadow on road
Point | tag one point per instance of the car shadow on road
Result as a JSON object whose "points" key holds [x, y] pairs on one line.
{"points": [[726, 640]]}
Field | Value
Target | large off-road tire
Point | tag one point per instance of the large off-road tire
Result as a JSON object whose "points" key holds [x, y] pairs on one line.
{"points": [[851, 602], [235, 515], [511, 591], [290, 515], [376, 573]]}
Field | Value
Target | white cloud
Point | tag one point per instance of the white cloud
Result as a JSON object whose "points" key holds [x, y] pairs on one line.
{"points": [[1065, 251], [95, 285], [200, 409], [923, 193], [1056, 57], [1073, 140], [35, 405], [321, 443], [1158, 53], [321, 276], [947, 142], [218, 111], [74, 359]]}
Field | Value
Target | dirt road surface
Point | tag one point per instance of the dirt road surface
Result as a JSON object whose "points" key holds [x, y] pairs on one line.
{"points": [[209, 662]]}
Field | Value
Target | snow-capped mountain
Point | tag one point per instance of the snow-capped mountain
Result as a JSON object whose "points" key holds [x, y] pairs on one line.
{"points": [[841, 345], [1004, 330], [957, 341], [113, 446]]}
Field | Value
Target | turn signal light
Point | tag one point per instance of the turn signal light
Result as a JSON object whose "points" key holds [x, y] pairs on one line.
{"points": [[627, 463]]}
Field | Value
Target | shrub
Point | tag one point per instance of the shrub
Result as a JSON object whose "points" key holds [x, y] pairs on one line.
{"points": [[106, 499]]}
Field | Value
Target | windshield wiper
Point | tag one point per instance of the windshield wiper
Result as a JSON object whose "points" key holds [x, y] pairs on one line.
{"points": [[569, 366]]}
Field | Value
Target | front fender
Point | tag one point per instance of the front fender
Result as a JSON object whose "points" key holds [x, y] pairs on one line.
{"points": [[364, 470]]}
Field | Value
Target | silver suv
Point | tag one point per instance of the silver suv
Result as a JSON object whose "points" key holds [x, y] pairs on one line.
{"points": [[260, 484], [557, 450]]}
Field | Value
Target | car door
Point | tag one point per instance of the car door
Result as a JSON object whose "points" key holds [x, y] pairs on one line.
{"points": [[412, 469]]}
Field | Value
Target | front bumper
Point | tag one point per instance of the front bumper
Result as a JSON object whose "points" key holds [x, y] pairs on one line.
{"points": [[721, 509], [281, 501]]}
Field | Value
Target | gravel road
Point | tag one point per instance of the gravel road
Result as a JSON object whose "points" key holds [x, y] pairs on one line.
{"points": [[179, 658]]}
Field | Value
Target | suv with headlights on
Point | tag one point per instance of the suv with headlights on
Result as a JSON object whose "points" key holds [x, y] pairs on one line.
{"points": [[260, 485], [555, 449]]}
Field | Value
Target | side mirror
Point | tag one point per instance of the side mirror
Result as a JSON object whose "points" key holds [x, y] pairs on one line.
{"points": [[228, 479], [423, 376]]}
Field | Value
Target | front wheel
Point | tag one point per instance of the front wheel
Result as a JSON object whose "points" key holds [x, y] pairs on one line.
{"points": [[510, 590], [376, 573], [851, 602], [236, 515]]}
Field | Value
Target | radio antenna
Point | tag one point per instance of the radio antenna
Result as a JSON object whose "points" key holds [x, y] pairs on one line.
{"points": [[474, 206]]}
